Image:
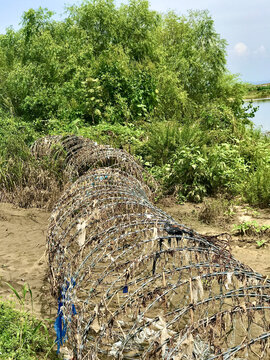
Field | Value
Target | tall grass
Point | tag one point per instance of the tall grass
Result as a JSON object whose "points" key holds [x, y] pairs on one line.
{"points": [[24, 180], [22, 336], [257, 187]]}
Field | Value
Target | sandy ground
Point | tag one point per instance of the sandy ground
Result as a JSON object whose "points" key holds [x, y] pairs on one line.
{"points": [[23, 258]]}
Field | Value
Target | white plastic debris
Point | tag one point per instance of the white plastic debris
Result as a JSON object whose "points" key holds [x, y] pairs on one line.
{"points": [[81, 227]]}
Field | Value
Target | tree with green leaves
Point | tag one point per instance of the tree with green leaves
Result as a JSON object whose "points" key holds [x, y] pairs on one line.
{"points": [[122, 64]]}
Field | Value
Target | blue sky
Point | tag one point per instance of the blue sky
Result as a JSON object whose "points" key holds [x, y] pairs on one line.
{"points": [[245, 24]]}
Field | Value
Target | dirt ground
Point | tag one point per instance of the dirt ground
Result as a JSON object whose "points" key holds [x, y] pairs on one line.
{"points": [[23, 258]]}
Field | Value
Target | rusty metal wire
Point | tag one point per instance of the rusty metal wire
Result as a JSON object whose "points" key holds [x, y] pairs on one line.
{"points": [[144, 286]]}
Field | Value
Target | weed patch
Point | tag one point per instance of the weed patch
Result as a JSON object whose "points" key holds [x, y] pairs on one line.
{"points": [[251, 228], [24, 180], [216, 211], [23, 337]]}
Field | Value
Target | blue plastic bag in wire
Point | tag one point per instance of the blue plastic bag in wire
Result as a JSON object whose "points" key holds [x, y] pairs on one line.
{"points": [[60, 324]]}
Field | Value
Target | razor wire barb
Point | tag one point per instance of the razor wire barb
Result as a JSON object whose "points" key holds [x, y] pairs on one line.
{"points": [[144, 286]]}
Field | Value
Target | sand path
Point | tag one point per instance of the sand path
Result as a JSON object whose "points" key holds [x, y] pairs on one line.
{"points": [[22, 255]]}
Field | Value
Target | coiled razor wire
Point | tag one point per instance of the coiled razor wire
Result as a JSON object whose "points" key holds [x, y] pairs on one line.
{"points": [[144, 286], [83, 154]]}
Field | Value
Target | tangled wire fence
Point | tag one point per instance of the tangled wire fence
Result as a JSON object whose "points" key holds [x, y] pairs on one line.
{"points": [[133, 283]]}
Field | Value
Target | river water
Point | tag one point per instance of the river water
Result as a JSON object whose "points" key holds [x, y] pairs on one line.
{"points": [[262, 116]]}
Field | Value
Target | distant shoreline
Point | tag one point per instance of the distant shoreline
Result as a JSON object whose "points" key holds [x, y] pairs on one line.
{"points": [[257, 99], [257, 92]]}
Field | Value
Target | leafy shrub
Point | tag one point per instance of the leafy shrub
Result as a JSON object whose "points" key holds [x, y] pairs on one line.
{"points": [[227, 168], [197, 162], [255, 148], [202, 170], [190, 173]]}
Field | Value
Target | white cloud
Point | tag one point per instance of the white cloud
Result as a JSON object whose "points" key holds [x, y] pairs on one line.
{"points": [[261, 50], [240, 49]]}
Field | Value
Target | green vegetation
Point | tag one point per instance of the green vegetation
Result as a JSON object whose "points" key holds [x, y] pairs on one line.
{"points": [[24, 179], [257, 91], [22, 337], [252, 228], [251, 212], [154, 84]]}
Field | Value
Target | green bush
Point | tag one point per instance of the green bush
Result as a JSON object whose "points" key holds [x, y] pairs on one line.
{"points": [[200, 171]]}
